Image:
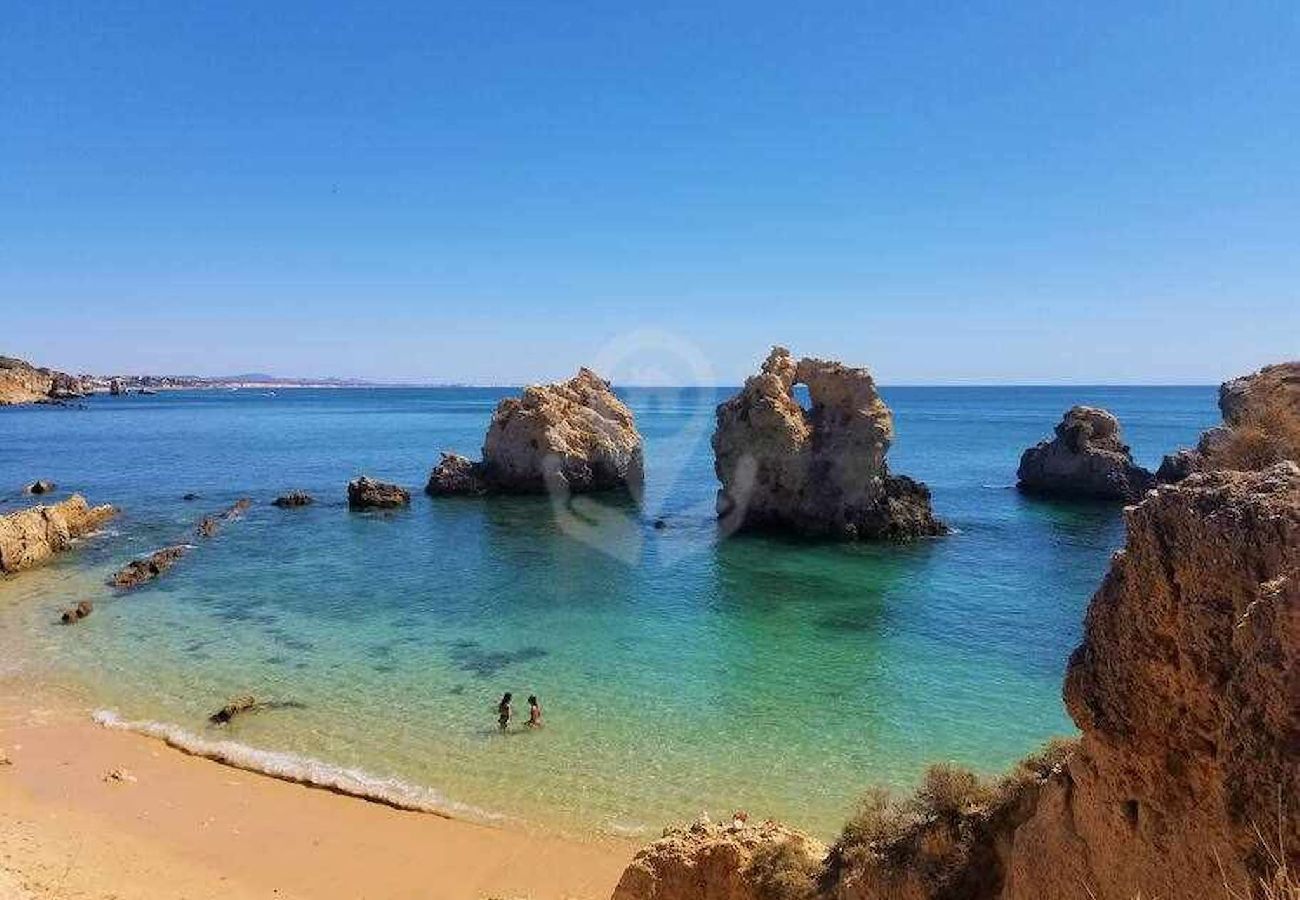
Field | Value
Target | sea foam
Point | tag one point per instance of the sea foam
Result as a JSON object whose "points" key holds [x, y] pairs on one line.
{"points": [[303, 770]]}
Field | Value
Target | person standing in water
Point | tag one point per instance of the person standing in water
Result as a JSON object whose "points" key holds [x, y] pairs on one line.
{"points": [[534, 712], [503, 711]]}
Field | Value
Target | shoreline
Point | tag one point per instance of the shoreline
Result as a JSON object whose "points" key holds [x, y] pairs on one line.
{"points": [[92, 811]]}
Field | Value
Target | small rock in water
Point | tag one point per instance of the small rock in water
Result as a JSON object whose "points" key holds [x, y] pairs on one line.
{"points": [[78, 612], [660, 525], [365, 493], [188, 497], [233, 708], [41, 487], [207, 527], [139, 571], [293, 499]]}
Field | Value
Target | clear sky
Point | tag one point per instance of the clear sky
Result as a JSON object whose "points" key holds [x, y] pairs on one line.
{"points": [[495, 193]]}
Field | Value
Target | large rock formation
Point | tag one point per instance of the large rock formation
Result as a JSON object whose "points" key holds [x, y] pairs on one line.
{"points": [[573, 436], [1185, 780], [21, 382], [819, 471], [1086, 459], [31, 536], [1261, 426], [716, 862]]}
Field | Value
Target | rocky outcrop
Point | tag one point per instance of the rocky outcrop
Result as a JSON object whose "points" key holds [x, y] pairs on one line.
{"points": [[716, 862], [1187, 691], [209, 525], [140, 571], [365, 493], [575, 436], [819, 471], [32, 536], [116, 388], [1086, 459], [21, 382], [1261, 426], [293, 500], [40, 487], [233, 708]]}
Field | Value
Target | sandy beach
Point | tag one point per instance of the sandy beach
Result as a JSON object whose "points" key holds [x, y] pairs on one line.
{"points": [[168, 825]]}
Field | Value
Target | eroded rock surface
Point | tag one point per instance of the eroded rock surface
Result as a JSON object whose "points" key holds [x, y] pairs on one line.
{"points": [[1086, 459], [573, 436], [820, 471], [293, 499], [21, 382], [1261, 426], [31, 536], [366, 493], [715, 862]]}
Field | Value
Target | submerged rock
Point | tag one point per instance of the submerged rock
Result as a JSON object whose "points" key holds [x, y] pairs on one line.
{"points": [[232, 708], [293, 499], [364, 493], [574, 436], [77, 613], [716, 862], [31, 536], [1086, 459], [820, 471], [210, 525], [139, 571]]}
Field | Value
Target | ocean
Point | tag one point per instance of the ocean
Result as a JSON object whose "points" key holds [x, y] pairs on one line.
{"points": [[679, 671]]}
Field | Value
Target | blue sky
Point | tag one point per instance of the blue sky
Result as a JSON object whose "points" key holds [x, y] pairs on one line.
{"points": [[495, 193]]}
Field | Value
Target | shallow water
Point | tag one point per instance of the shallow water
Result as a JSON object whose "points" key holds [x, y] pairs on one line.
{"points": [[679, 672]]}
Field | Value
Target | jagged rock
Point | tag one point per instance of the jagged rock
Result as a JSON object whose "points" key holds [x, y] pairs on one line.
{"points": [[1187, 690], [139, 571], [713, 862], [1086, 459], [31, 536], [820, 471], [207, 526], [40, 487], [293, 499], [233, 708], [456, 475], [21, 382], [77, 613], [1272, 387], [1261, 425], [210, 525], [363, 493], [573, 436]]}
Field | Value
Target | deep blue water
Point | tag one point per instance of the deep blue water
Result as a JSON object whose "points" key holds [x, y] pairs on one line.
{"points": [[678, 671]]}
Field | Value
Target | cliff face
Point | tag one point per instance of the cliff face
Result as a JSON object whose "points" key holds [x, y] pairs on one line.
{"points": [[820, 471], [1277, 386], [31, 536], [23, 383], [1086, 459], [1186, 689], [574, 436]]}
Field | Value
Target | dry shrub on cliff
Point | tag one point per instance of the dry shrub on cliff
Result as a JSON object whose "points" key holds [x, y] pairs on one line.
{"points": [[950, 791], [783, 871], [1268, 435]]}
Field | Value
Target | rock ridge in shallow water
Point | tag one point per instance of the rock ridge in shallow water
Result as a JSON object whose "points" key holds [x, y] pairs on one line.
{"points": [[820, 471]]}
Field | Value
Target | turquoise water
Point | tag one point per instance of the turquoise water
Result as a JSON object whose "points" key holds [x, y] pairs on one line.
{"points": [[678, 672]]}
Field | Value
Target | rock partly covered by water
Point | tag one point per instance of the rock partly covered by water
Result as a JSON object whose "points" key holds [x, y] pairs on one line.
{"points": [[716, 862], [1086, 459], [40, 487], [573, 436], [31, 536], [366, 493], [1261, 426], [820, 471], [21, 382], [293, 499], [139, 571]]}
